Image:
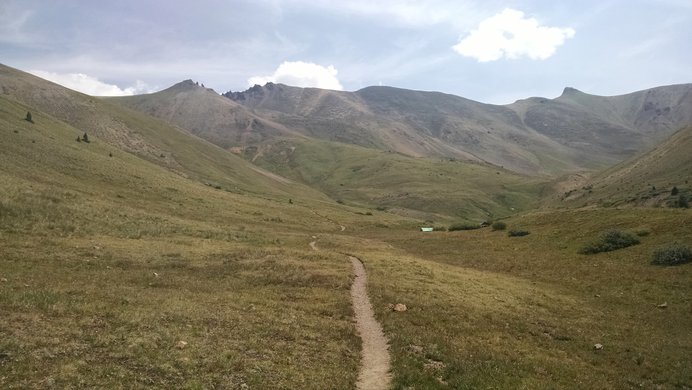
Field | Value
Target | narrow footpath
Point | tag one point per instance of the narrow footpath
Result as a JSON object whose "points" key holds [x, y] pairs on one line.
{"points": [[375, 359]]}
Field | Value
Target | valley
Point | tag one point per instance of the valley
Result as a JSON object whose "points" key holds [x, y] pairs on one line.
{"points": [[177, 248]]}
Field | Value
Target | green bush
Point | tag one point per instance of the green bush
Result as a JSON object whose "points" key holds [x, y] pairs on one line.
{"points": [[610, 241], [672, 255], [642, 232], [499, 225], [463, 226], [518, 233]]}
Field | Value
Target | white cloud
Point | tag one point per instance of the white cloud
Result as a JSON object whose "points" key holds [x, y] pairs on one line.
{"points": [[511, 35], [301, 74], [91, 85]]}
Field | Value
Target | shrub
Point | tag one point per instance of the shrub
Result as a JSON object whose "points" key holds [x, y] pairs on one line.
{"points": [[610, 241], [28, 117], [463, 226], [518, 233], [642, 232], [499, 225], [672, 255], [439, 229]]}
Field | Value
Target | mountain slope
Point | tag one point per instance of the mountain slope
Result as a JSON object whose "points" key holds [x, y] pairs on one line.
{"points": [[410, 122], [205, 113], [144, 136], [646, 180], [535, 136]]}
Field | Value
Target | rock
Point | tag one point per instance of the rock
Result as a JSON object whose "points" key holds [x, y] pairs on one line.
{"points": [[181, 344], [400, 307], [662, 305], [156, 275], [4, 280], [433, 365], [598, 347], [244, 386]]}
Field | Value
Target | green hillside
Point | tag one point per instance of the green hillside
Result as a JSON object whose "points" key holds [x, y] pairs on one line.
{"points": [[431, 189], [660, 177]]}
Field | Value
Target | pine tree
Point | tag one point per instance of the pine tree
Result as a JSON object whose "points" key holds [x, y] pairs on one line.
{"points": [[28, 117], [85, 138]]}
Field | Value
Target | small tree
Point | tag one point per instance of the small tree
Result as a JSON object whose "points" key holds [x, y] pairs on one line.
{"points": [[674, 191], [79, 139], [28, 117], [85, 138], [499, 225], [682, 202]]}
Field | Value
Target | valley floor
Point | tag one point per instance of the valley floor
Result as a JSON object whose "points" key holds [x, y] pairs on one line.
{"points": [[484, 310]]}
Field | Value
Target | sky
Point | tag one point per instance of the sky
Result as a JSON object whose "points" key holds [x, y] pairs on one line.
{"points": [[490, 51]]}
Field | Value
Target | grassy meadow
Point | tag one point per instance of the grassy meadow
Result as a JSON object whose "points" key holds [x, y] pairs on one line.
{"points": [[486, 310]]}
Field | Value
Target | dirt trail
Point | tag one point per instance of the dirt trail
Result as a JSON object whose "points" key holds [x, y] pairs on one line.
{"points": [[375, 359]]}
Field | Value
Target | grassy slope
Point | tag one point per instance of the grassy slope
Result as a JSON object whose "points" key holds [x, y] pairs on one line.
{"points": [[645, 180], [82, 236], [490, 311], [148, 138], [427, 188]]}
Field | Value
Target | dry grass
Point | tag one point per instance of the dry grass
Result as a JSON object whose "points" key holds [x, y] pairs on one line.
{"points": [[501, 312]]}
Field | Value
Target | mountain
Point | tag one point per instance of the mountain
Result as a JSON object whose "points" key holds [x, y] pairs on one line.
{"points": [[534, 136], [205, 113], [410, 122], [144, 136]]}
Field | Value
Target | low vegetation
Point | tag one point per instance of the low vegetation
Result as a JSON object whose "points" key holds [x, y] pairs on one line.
{"points": [[463, 226], [499, 225], [518, 233], [675, 254], [609, 241], [489, 311]]}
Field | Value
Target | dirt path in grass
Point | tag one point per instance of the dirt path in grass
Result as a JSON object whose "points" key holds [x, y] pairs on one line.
{"points": [[374, 364], [375, 359]]}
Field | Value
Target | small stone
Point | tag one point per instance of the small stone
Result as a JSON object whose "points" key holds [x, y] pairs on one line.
{"points": [[156, 275], [662, 305], [598, 346], [400, 307], [244, 386], [181, 344], [4, 280], [433, 365]]}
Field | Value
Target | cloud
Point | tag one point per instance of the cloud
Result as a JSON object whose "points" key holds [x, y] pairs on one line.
{"points": [[91, 85], [510, 34], [301, 74]]}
